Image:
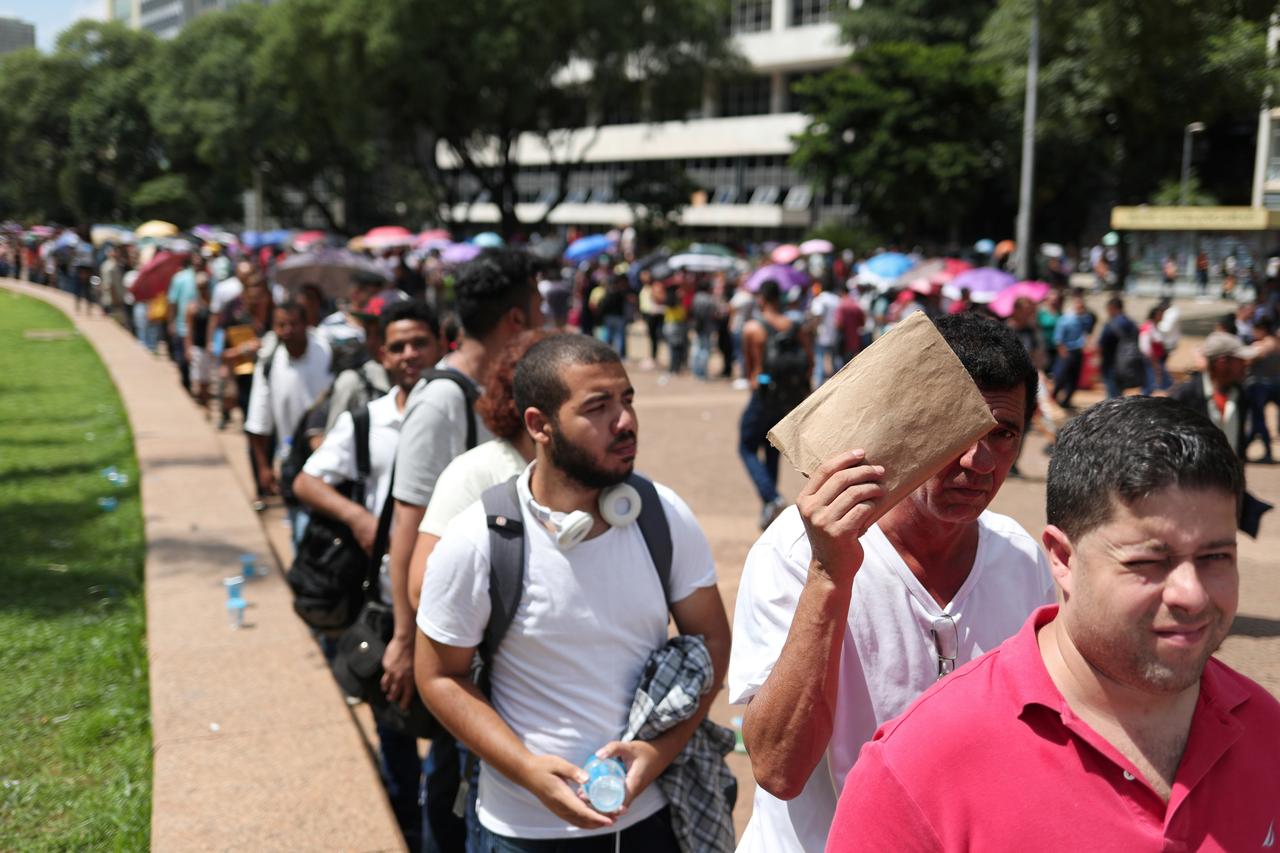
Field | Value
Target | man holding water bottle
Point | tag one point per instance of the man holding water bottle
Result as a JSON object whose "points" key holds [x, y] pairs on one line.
{"points": [[591, 611]]}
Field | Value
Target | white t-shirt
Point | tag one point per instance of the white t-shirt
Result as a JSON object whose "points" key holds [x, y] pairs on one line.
{"points": [[466, 478], [223, 292], [277, 406], [334, 461], [565, 675], [888, 657], [433, 435], [825, 307]]}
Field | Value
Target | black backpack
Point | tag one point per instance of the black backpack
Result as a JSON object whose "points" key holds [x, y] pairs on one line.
{"points": [[1130, 368], [786, 363], [507, 555], [330, 568]]}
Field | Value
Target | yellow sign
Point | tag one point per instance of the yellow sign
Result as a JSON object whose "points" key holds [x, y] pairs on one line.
{"points": [[1194, 219]]}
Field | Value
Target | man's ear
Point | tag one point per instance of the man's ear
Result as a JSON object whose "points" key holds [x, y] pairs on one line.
{"points": [[1061, 553], [538, 425]]}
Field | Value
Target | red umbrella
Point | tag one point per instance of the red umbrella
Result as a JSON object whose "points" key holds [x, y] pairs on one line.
{"points": [[308, 240], [153, 279], [434, 238]]}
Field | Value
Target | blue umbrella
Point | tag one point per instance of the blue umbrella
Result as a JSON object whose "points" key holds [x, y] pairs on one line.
{"points": [[888, 265], [589, 247], [487, 240]]}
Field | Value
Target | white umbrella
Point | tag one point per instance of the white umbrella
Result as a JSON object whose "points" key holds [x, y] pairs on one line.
{"points": [[701, 263]]}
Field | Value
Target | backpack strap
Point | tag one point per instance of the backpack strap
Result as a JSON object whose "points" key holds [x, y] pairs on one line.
{"points": [[271, 360], [655, 529], [382, 537], [363, 465], [506, 563], [469, 394]]}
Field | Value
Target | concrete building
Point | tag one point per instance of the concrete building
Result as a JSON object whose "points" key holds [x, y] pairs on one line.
{"points": [[735, 148], [16, 34], [165, 18]]}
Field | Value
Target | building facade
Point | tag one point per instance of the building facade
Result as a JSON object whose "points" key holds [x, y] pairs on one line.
{"points": [[16, 34], [165, 18], [735, 149]]}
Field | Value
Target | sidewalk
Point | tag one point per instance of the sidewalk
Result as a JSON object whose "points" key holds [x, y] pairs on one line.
{"points": [[254, 747]]}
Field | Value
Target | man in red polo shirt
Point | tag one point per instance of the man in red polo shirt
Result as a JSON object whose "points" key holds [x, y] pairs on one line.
{"points": [[1104, 724]]}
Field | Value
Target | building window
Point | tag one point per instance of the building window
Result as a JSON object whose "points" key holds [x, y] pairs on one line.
{"points": [[750, 16], [122, 10], [749, 97], [1273, 161], [807, 12]]}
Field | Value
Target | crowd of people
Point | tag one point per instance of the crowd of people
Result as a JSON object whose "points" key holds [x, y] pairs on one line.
{"points": [[480, 561]]}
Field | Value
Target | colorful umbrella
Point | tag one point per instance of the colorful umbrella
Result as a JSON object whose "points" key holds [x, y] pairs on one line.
{"points": [[308, 240], [787, 277], [701, 263], [331, 269], [585, 248], [433, 238], [487, 240], [1033, 290], [985, 246], [153, 279], [388, 237], [459, 253], [887, 265], [156, 229], [100, 235], [785, 254], [983, 284], [1005, 247], [817, 246]]}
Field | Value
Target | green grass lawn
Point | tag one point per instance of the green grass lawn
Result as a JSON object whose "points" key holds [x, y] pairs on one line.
{"points": [[75, 729]]}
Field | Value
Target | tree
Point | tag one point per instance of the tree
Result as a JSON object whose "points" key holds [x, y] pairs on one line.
{"points": [[1118, 83], [904, 129], [36, 93], [657, 195], [470, 87]]}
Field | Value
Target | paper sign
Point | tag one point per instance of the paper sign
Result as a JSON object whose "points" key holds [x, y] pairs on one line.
{"points": [[906, 400]]}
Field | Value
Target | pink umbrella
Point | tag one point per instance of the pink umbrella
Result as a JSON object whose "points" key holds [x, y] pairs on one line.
{"points": [[817, 246], [307, 240], [432, 238], [388, 237], [1036, 291], [785, 254], [983, 284], [153, 279]]}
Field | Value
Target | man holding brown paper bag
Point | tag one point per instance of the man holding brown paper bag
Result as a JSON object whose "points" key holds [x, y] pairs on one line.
{"points": [[843, 620]]}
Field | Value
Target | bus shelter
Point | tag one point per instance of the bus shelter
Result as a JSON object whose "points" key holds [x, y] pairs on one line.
{"points": [[1215, 250]]}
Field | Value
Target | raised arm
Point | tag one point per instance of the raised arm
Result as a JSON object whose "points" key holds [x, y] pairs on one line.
{"points": [[788, 723]]}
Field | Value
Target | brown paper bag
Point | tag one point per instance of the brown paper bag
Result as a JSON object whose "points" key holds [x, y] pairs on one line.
{"points": [[906, 400]]}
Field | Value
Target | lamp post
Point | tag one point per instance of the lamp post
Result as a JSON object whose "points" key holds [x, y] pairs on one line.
{"points": [[1184, 192], [1028, 147], [1194, 127]]}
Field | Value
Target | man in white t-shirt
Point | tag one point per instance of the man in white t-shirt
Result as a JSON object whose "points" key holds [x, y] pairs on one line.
{"points": [[592, 611], [824, 309], [841, 625], [290, 374]]}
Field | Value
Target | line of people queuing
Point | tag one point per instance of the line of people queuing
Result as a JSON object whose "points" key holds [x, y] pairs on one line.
{"points": [[853, 638], [922, 676]]}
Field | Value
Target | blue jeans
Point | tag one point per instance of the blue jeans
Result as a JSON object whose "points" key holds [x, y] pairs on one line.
{"points": [[753, 432], [677, 337], [615, 333], [822, 354], [442, 830], [651, 835], [1261, 392], [702, 353]]}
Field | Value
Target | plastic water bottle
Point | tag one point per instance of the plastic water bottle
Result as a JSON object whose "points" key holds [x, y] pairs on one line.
{"points": [[606, 785], [235, 586], [108, 504], [248, 566], [109, 472], [763, 379], [235, 611]]}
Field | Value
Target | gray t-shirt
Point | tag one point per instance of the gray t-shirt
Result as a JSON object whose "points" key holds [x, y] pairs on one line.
{"points": [[351, 390], [433, 433]]}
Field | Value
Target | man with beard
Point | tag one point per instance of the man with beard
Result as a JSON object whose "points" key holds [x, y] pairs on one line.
{"points": [[592, 609], [841, 625], [1104, 723]]}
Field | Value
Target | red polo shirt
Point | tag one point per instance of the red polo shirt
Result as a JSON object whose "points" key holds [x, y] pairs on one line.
{"points": [[992, 758]]}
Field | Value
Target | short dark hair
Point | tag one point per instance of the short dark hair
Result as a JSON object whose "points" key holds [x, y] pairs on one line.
{"points": [[771, 292], [1129, 448], [992, 354], [292, 306], [413, 309], [489, 286], [537, 381], [1116, 302]]}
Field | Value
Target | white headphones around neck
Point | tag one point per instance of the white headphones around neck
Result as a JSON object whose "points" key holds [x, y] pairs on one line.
{"points": [[619, 505]]}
